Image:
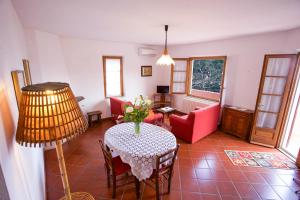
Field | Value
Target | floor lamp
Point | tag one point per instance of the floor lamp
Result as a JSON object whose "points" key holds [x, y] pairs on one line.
{"points": [[49, 113]]}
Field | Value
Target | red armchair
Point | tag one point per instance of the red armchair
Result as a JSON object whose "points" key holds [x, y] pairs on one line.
{"points": [[197, 124], [117, 108]]}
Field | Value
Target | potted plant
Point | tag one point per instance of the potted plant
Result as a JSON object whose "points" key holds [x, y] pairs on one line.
{"points": [[137, 112]]}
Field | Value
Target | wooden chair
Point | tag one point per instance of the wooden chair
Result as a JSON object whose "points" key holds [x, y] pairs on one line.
{"points": [[164, 170], [114, 167]]}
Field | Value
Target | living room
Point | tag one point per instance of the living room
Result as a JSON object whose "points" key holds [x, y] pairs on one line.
{"points": [[76, 43]]}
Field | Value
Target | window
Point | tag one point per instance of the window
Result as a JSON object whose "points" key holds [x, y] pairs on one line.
{"points": [[113, 76], [178, 76], [206, 77]]}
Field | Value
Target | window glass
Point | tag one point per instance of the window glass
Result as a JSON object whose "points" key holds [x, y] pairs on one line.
{"points": [[207, 75], [179, 76], [112, 67]]}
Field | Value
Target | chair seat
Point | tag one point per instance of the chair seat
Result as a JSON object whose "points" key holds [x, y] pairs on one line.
{"points": [[161, 169], [120, 166]]}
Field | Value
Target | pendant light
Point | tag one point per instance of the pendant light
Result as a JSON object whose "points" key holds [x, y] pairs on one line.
{"points": [[165, 58]]}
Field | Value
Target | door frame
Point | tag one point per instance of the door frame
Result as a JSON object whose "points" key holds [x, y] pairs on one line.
{"points": [[294, 84]]}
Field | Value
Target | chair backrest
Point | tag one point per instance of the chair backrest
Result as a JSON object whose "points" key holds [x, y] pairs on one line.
{"points": [[207, 116], [116, 106], [107, 155], [166, 161]]}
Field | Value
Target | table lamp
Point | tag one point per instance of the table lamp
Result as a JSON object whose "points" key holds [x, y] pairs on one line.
{"points": [[49, 113]]}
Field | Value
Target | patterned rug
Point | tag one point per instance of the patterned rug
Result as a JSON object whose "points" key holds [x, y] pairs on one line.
{"points": [[260, 159]]}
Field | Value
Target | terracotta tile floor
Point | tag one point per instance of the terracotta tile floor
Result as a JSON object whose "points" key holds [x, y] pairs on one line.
{"points": [[202, 171]]}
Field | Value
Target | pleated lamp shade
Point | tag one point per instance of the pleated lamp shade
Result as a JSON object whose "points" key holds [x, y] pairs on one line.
{"points": [[49, 112], [165, 59]]}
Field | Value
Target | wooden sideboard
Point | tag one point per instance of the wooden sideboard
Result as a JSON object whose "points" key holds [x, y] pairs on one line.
{"points": [[237, 121]]}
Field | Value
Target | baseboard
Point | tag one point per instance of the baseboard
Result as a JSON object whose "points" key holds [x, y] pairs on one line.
{"points": [[262, 144], [106, 118]]}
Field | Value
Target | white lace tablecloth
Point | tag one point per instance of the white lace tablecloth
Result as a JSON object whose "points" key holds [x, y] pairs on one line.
{"points": [[139, 151]]}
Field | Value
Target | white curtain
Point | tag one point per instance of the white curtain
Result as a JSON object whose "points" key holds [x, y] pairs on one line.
{"points": [[273, 85], [179, 75]]}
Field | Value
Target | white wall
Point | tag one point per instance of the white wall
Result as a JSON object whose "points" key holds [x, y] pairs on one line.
{"points": [[244, 61], [23, 168], [293, 40], [78, 61], [84, 62], [46, 57]]}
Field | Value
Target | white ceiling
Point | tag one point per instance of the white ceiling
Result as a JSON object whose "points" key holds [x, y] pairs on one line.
{"points": [[142, 21]]}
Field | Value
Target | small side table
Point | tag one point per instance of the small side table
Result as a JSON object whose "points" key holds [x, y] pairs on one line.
{"points": [[166, 111], [93, 114]]}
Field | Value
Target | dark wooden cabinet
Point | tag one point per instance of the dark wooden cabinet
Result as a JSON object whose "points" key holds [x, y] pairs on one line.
{"points": [[237, 121]]}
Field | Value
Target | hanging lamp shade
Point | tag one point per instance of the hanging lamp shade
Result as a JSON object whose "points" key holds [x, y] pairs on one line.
{"points": [[165, 58], [49, 112]]}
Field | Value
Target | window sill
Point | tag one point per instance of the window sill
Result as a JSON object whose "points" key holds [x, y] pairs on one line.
{"points": [[201, 99]]}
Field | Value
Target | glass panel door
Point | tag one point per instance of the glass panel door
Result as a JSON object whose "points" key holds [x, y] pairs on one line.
{"points": [[273, 89], [272, 97]]}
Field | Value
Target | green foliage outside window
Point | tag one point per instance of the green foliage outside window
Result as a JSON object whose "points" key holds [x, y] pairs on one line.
{"points": [[207, 75]]}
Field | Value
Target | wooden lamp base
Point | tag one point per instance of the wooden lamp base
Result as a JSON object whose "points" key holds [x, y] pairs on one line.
{"points": [[79, 196], [64, 177]]}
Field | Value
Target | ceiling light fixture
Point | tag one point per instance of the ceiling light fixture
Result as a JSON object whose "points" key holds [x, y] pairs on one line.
{"points": [[165, 58]]}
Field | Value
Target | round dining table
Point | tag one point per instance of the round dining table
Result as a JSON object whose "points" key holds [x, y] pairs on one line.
{"points": [[139, 150]]}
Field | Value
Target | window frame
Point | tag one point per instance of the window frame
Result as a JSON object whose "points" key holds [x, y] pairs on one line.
{"points": [[189, 75], [172, 75], [104, 58]]}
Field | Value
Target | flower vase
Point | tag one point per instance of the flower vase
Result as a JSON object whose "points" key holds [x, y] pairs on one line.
{"points": [[137, 128]]}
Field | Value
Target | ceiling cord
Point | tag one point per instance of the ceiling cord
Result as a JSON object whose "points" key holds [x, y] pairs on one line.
{"points": [[166, 40]]}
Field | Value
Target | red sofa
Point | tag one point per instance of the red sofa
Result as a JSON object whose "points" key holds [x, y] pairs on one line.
{"points": [[197, 124], [117, 108]]}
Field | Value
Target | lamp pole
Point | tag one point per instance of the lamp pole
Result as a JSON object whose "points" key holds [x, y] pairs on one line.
{"points": [[63, 171]]}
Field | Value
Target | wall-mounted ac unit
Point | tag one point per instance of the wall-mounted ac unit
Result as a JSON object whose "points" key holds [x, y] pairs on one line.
{"points": [[143, 51]]}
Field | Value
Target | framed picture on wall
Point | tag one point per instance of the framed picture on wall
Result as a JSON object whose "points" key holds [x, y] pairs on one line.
{"points": [[18, 78], [146, 70], [27, 73]]}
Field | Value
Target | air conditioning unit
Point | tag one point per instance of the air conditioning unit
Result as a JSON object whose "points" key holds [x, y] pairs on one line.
{"points": [[147, 52]]}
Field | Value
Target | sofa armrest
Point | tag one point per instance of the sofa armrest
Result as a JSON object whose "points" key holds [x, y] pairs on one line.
{"points": [[180, 123], [178, 119], [181, 127]]}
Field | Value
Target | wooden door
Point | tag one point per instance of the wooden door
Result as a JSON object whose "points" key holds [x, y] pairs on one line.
{"points": [[275, 84]]}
